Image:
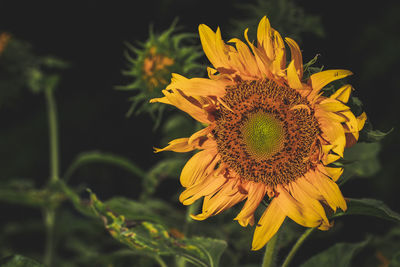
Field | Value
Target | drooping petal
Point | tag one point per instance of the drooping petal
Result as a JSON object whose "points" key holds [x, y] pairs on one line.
{"points": [[200, 133], [206, 187], [198, 86], [268, 225], [196, 167], [189, 105], [297, 57], [293, 78], [328, 188], [320, 79], [178, 145], [256, 193], [343, 93]]}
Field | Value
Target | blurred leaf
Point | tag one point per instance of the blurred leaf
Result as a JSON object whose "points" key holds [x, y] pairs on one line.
{"points": [[101, 157], [362, 161], [154, 238], [369, 207], [339, 254], [19, 191], [395, 261], [19, 261], [170, 167], [375, 135]]}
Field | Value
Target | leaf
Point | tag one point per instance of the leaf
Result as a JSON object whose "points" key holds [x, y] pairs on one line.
{"points": [[154, 238], [369, 207], [375, 135], [395, 261], [339, 254], [19, 261], [362, 161], [101, 157]]}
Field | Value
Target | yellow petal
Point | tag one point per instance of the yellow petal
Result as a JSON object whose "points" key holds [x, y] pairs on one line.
{"points": [[361, 121], [199, 86], [268, 225], [296, 56], [334, 173], [200, 133], [195, 169], [320, 79], [207, 39], [343, 93], [332, 105], [264, 37], [295, 210], [177, 145], [304, 198], [190, 106], [255, 194], [329, 190], [293, 78], [279, 62], [208, 186], [330, 158]]}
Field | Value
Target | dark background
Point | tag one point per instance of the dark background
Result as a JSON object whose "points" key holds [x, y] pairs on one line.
{"points": [[360, 36]]}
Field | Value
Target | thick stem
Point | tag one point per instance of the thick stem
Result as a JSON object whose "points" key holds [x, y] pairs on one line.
{"points": [[296, 246], [50, 212], [270, 252]]}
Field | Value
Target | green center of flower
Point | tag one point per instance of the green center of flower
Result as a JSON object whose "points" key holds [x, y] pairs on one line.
{"points": [[263, 135]]}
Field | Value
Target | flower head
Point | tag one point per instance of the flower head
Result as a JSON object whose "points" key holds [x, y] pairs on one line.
{"points": [[153, 64], [269, 133]]}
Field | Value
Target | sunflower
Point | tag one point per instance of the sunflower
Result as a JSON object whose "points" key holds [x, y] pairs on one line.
{"points": [[268, 133]]}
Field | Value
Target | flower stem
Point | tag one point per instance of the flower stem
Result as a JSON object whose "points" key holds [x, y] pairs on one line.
{"points": [[270, 252], [53, 134], [50, 212], [296, 246]]}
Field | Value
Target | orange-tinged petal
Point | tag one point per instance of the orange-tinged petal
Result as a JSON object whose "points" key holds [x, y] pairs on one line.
{"points": [[343, 93], [262, 62], [195, 169], [293, 78], [246, 58], [184, 103], [256, 193], [218, 203], [206, 187], [279, 62], [200, 133], [268, 225], [320, 79], [296, 56], [199, 86]]}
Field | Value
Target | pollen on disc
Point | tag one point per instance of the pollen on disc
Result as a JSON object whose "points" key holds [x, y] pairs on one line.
{"points": [[263, 135]]}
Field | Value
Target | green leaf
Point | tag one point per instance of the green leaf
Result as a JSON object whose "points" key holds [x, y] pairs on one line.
{"points": [[19, 261], [154, 238], [375, 135], [369, 207], [362, 161], [101, 157], [339, 254], [395, 261]]}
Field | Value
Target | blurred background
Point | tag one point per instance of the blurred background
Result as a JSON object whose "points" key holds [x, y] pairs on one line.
{"points": [[90, 36]]}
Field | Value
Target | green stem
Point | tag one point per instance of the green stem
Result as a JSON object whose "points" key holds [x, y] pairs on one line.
{"points": [[181, 262], [160, 261], [270, 252], [296, 246], [53, 134], [50, 212]]}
